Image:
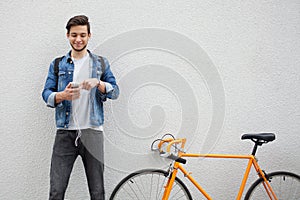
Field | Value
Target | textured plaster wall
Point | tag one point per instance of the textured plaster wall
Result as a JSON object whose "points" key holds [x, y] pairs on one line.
{"points": [[253, 45]]}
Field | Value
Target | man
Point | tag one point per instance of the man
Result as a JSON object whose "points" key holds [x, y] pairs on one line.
{"points": [[79, 110]]}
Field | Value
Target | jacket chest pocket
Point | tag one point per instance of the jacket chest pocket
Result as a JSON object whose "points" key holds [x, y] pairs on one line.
{"points": [[99, 74], [62, 80]]}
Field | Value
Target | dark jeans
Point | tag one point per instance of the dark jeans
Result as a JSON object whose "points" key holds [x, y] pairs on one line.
{"points": [[90, 148]]}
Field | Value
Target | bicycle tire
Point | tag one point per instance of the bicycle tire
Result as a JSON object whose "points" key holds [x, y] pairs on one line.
{"points": [[286, 186], [148, 184]]}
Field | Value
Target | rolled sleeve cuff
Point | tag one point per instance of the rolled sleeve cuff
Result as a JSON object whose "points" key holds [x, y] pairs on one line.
{"points": [[108, 87], [51, 100]]}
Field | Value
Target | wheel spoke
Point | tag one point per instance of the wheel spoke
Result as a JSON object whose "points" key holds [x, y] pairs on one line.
{"points": [[285, 185], [148, 185]]}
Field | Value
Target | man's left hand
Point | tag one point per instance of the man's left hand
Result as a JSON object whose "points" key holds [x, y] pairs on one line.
{"points": [[88, 84]]}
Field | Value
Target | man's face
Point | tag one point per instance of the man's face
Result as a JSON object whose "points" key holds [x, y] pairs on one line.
{"points": [[78, 37]]}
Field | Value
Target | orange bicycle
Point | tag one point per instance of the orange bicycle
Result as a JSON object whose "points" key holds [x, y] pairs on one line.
{"points": [[148, 184]]}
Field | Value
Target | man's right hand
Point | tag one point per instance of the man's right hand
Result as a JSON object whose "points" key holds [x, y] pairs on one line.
{"points": [[68, 94]]}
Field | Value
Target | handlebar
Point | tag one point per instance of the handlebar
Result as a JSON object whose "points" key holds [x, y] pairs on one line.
{"points": [[177, 159], [164, 148]]}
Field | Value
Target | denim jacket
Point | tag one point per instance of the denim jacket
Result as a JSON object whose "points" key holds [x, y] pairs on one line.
{"points": [[65, 75]]}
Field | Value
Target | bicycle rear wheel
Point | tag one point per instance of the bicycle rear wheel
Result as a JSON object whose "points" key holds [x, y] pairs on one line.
{"points": [[148, 184], [286, 186]]}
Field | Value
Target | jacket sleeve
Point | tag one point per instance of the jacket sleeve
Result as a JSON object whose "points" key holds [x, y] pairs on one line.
{"points": [[49, 90]]}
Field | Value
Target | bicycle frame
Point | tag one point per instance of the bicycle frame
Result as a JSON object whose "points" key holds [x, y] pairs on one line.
{"points": [[161, 184], [252, 162]]}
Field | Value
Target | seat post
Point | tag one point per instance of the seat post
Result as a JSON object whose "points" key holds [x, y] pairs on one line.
{"points": [[257, 143], [254, 149]]}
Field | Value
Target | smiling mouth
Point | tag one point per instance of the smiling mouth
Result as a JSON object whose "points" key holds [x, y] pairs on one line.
{"points": [[78, 47]]}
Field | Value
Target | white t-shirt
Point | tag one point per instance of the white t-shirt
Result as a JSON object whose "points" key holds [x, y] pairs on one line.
{"points": [[80, 113]]}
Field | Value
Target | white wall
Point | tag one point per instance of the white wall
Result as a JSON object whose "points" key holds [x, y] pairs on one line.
{"points": [[211, 62]]}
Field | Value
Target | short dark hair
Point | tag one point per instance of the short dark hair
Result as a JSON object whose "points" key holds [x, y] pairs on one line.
{"points": [[79, 20]]}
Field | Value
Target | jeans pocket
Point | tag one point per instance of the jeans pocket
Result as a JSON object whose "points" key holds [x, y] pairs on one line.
{"points": [[64, 143]]}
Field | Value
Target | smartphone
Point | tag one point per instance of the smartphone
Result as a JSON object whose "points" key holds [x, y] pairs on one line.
{"points": [[74, 85]]}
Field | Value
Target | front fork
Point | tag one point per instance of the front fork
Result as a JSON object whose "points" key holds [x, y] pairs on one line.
{"points": [[173, 169]]}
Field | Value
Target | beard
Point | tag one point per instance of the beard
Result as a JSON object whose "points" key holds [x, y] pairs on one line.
{"points": [[78, 50]]}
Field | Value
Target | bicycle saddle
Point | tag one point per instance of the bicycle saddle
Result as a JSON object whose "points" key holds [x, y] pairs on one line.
{"points": [[266, 137]]}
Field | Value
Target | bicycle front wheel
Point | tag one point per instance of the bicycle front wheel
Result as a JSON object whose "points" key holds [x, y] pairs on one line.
{"points": [[148, 184], [286, 186]]}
